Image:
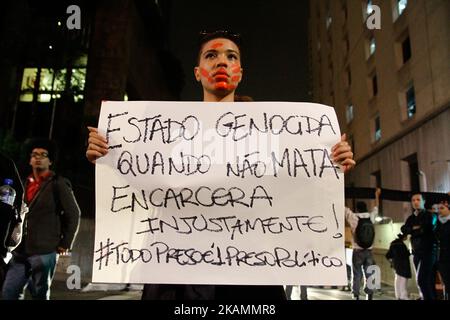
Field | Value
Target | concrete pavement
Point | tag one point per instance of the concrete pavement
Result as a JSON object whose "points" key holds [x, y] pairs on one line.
{"points": [[118, 292]]}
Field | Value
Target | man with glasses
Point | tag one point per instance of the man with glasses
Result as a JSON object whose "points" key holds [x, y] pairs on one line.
{"points": [[49, 227]]}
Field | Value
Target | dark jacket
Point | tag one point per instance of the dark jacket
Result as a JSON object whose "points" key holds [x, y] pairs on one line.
{"points": [[421, 228], [399, 254], [443, 239], [8, 215], [52, 220]]}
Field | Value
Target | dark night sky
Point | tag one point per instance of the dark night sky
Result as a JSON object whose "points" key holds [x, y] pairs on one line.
{"points": [[274, 44]]}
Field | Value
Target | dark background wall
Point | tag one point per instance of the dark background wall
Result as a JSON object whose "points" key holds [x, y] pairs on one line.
{"points": [[274, 44]]}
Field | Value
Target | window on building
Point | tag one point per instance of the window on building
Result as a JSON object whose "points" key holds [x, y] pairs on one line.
{"points": [[377, 126], [406, 49], [401, 6], [372, 46], [41, 107], [369, 7], [344, 9], [374, 85], [329, 20], [43, 84], [413, 168], [349, 112], [410, 102]]}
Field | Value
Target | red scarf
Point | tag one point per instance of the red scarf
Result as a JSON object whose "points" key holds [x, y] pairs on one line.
{"points": [[34, 185]]}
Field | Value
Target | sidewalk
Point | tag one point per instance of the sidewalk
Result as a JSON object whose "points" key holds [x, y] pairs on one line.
{"points": [[61, 292]]}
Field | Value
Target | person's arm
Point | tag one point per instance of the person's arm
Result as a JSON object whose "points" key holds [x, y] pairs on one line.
{"points": [[97, 145], [407, 227], [343, 155], [375, 211], [389, 253], [70, 218], [16, 234], [351, 218], [377, 197]]}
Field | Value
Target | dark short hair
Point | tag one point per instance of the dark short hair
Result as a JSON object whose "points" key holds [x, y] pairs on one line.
{"points": [[361, 207], [43, 143], [417, 193], [205, 36]]}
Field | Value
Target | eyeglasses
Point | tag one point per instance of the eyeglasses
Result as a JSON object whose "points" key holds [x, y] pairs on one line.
{"points": [[39, 155]]}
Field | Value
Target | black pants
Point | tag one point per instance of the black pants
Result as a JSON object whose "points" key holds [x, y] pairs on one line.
{"points": [[444, 270], [3, 270], [426, 274]]}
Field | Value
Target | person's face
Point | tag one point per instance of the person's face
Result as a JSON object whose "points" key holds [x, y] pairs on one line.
{"points": [[219, 69], [39, 159], [417, 202], [435, 208], [444, 210]]}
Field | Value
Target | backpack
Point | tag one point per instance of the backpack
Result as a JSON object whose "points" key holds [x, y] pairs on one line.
{"points": [[364, 233]]}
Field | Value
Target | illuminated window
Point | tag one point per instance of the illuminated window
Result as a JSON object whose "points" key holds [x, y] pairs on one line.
{"points": [[377, 126], [369, 7], [349, 113], [401, 6], [329, 20], [372, 46], [49, 83], [410, 102], [28, 83]]}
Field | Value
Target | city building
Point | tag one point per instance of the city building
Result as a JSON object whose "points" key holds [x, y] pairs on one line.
{"points": [[390, 88]]}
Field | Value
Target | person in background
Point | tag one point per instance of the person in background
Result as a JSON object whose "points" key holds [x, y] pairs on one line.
{"points": [[398, 254], [363, 233], [420, 226], [50, 227], [11, 217], [303, 292], [443, 239]]}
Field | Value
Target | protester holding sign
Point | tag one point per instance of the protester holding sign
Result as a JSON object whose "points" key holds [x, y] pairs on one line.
{"points": [[219, 71]]}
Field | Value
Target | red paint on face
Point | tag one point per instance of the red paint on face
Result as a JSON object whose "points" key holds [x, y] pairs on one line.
{"points": [[216, 45], [236, 69], [204, 73], [235, 78]]}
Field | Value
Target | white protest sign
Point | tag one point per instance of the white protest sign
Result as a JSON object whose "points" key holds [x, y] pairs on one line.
{"points": [[219, 193]]}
